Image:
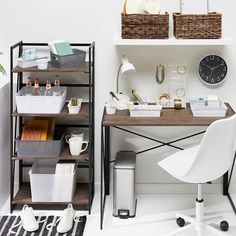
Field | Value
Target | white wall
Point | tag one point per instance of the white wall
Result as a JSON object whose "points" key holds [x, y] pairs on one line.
{"points": [[91, 20]]}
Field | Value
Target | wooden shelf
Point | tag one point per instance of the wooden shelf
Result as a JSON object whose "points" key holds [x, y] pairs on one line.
{"points": [[82, 69], [84, 112], [65, 155], [118, 41], [80, 198]]}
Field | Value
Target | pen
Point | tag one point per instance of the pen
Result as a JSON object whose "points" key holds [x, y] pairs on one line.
{"points": [[114, 96]]}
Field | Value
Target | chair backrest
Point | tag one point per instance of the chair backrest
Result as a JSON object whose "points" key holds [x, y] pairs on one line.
{"points": [[216, 151]]}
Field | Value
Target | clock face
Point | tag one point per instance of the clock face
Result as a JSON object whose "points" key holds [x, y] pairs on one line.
{"points": [[212, 69]]}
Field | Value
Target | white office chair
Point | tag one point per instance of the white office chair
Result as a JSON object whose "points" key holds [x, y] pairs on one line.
{"points": [[201, 164]]}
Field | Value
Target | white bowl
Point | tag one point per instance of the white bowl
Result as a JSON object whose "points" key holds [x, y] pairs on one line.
{"points": [[42, 64]]}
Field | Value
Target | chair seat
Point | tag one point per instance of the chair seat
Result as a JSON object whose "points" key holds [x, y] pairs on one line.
{"points": [[179, 163]]}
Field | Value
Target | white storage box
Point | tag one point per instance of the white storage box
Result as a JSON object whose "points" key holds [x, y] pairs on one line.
{"points": [[208, 111], [42, 179], [40, 104], [74, 109], [26, 63], [145, 111]]}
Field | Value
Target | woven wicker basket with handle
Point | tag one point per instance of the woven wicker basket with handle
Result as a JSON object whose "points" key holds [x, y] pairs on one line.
{"points": [[197, 26], [144, 26]]}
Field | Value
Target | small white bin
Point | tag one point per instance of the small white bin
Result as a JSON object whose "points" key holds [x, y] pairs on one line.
{"points": [[74, 109], [40, 104], [42, 183]]}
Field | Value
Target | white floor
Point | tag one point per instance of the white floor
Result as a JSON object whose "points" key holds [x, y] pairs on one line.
{"points": [[155, 215]]}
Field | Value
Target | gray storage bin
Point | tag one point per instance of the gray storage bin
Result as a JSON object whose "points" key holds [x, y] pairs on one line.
{"points": [[124, 199], [76, 59], [47, 148]]}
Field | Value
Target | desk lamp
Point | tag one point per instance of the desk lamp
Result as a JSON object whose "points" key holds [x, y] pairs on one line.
{"points": [[126, 68]]}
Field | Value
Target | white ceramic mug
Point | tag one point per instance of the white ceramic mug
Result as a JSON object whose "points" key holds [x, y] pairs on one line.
{"points": [[74, 134], [75, 144]]}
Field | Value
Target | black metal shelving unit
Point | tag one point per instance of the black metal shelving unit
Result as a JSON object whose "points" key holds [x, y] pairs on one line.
{"points": [[84, 194]]}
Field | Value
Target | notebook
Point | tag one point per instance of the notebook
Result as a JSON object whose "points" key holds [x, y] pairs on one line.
{"points": [[63, 48]]}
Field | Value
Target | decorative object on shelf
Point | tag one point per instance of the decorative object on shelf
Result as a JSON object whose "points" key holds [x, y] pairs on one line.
{"points": [[126, 68], [197, 26], [137, 25], [208, 106], [74, 105], [212, 69], [75, 144], [160, 74]]}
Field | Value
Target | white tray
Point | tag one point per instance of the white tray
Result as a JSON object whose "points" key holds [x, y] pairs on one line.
{"points": [[40, 104], [145, 111], [206, 111]]}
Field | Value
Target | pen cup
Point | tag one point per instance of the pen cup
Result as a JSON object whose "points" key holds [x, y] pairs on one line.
{"points": [[110, 108]]}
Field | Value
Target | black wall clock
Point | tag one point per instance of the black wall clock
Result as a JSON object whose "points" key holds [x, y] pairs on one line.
{"points": [[212, 69]]}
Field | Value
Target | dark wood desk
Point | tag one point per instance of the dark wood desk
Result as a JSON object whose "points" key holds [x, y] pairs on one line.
{"points": [[169, 117]]}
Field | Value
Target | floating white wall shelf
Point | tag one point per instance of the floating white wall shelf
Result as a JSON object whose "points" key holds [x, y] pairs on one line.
{"points": [[172, 42]]}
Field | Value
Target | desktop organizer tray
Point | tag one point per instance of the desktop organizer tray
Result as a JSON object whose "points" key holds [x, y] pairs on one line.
{"points": [[207, 111], [145, 111]]}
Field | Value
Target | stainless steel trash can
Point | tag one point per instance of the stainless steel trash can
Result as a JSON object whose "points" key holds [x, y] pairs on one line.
{"points": [[124, 199]]}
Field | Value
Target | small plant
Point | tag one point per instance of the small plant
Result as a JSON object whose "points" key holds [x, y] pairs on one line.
{"points": [[2, 70]]}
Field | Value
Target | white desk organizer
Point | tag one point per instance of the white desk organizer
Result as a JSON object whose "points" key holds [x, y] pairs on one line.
{"points": [[208, 111], [145, 110]]}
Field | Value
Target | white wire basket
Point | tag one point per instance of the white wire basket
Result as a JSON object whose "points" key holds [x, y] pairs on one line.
{"points": [[145, 111], [40, 104], [208, 111]]}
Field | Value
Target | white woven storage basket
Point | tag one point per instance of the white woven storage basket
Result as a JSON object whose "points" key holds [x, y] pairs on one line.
{"points": [[145, 111], [42, 180], [206, 111], [40, 104]]}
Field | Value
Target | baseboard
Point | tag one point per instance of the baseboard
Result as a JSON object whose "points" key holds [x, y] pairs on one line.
{"points": [[214, 188]]}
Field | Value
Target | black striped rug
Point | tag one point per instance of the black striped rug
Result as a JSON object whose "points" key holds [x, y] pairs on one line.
{"points": [[6, 222]]}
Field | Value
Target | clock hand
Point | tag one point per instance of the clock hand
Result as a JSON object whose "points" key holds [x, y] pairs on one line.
{"points": [[218, 66], [210, 67]]}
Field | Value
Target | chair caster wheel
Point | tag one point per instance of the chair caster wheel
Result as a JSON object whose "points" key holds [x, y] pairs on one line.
{"points": [[224, 226], [180, 222]]}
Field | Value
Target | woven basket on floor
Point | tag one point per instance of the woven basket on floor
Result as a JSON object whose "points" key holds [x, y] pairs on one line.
{"points": [[142, 26], [202, 26]]}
